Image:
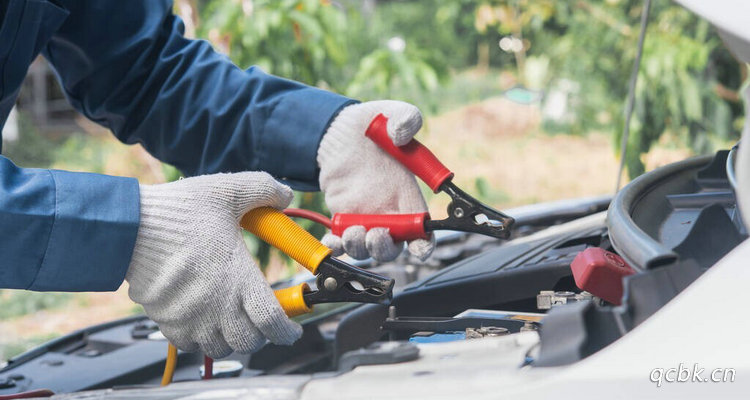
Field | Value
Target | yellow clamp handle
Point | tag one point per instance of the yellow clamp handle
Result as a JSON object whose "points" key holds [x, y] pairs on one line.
{"points": [[291, 300], [278, 230]]}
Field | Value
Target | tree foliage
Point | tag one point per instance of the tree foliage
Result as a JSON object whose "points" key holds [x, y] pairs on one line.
{"points": [[688, 81], [304, 40], [593, 43], [320, 43]]}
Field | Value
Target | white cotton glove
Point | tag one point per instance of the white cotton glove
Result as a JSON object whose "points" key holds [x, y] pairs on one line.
{"points": [[358, 177], [192, 272]]}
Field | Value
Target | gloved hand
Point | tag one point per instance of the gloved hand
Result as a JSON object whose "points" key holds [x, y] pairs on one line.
{"points": [[358, 177], [192, 272]]}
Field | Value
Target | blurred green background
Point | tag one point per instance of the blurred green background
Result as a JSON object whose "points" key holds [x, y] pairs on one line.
{"points": [[524, 99]]}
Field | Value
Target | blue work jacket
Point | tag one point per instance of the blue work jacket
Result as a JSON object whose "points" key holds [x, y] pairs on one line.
{"points": [[127, 66]]}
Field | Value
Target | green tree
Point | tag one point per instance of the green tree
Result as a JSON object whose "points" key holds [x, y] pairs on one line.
{"points": [[683, 65], [304, 40]]}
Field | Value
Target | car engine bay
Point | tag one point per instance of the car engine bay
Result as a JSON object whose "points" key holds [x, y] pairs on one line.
{"points": [[668, 226]]}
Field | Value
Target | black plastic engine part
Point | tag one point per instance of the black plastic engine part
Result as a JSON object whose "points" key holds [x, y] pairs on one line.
{"points": [[712, 236], [505, 278], [570, 336], [379, 353], [309, 354], [673, 213]]}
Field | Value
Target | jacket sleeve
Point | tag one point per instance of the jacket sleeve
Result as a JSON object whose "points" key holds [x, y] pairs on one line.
{"points": [[127, 66], [65, 231]]}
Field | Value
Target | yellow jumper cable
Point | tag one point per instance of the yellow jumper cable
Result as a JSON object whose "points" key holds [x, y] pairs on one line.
{"points": [[170, 365]]}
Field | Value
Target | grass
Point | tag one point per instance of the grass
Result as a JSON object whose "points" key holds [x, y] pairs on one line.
{"points": [[18, 303], [15, 303]]}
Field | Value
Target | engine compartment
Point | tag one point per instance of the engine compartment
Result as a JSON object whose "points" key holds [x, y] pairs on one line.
{"points": [[670, 225]]}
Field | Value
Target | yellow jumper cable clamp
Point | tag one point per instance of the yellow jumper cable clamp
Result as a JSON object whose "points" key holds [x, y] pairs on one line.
{"points": [[336, 281]]}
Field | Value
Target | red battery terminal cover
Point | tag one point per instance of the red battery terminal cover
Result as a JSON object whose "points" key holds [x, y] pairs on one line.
{"points": [[600, 273]]}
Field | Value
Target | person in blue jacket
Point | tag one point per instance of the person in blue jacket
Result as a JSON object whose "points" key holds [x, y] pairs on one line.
{"points": [[127, 66]]}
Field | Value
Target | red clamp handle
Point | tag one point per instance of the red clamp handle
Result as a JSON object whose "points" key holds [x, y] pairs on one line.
{"points": [[400, 226], [413, 155]]}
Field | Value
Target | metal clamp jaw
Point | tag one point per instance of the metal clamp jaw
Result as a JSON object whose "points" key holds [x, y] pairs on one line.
{"points": [[338, 281], [468, 214]]}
